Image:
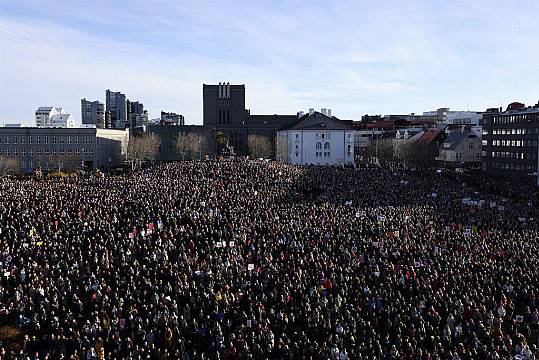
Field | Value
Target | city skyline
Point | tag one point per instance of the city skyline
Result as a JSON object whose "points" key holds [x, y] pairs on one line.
{"points": [[354, 58]]}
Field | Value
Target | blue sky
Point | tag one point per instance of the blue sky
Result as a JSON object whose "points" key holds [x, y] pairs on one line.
{"points": [[355, 57]]}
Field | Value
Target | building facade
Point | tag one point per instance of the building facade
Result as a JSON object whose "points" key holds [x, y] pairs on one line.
{"points": [[48, 117], [170, 118], [460, 148], [318, 140], [510, 142], [63, 148], [136, 115], [169, 149], [116, 107], [224, 111], [92, 113]]}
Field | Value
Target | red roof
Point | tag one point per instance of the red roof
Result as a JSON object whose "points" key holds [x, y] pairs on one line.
{"points": [[429, 136]]}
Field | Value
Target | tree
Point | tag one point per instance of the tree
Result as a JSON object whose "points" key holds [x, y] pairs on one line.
{"points": [[416, 155], [382, 152], [141, 148], [281, 147], [190, 146], [8, 165], [259, 146]]}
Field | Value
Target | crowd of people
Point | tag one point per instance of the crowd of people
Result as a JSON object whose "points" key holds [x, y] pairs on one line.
{"points": [[256, 260]]}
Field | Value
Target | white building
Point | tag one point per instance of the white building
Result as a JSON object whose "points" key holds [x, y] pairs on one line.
{"points": [[445, 116], [317, 139], [48, 116]]}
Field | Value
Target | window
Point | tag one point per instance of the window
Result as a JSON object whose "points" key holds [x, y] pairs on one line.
{"points": [[53, 152], [323, 135], [318, 145], [38, 139], [30, 152], [69, 151], [45, 139], [297, 154], [15, 138], [23, 152], [38, 152], [62, 152], [46, 152], [61, 139], [7, 152], [69, 139], [15, 152], [326, 146], [7, 140], [77, 151], [53, 140], [23, 139], [76, 139], [297, 136]]}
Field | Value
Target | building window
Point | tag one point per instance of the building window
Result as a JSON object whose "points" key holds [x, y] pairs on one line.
{"points": [[77, 151], [15, 138], [76, 139], [69, 139], [7, 140], [38, 139], [62, 152], [7, 152], [53, 152], [61, 139], [38, 152], [69, 151], [23, 152], [326, 146], [30, 152], [46, 152], [53, 140], [318, 146], [297, 154], [45, 139]]}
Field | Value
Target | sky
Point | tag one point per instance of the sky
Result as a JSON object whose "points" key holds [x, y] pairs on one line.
{"points": [[355, 57]]}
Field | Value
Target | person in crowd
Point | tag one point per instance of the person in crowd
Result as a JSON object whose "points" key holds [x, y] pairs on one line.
{"points": [[252, 260]]}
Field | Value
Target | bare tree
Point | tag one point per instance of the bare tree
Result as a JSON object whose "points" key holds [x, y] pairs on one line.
{"points": [[190, 146], [416, 155], [259, 146], [8, 165], [382, 152], [141, 148], [281, 148]]}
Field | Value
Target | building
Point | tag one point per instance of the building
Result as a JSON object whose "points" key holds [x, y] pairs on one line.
{"points": [[168, 137], [510, 142], [136, 114], [63, 148], [224, 111], [92, 113], [116, 107], [460, 148], [170, 118], [223, 104], [48, 116], [317, 139], [445, 116]]}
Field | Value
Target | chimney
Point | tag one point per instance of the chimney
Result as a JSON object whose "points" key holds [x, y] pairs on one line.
{"points": [[311, 111], [323, 111], [329, 112], [300, 114]]}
